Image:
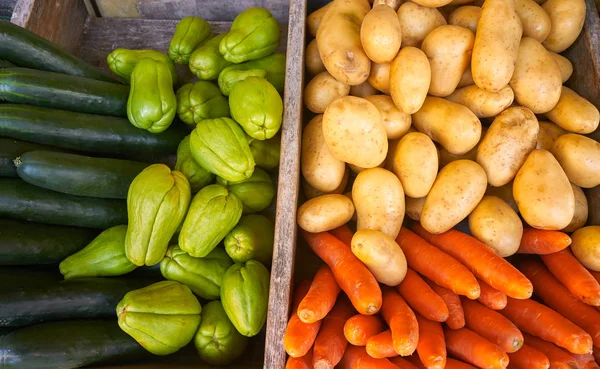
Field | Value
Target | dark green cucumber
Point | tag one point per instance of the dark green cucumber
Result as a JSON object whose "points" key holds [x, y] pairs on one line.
{"points": [[26, 49], [68, 345], [20, 200], [27, 243], [63, 91], [10, 149], [85, 132], [78, 175], [6, 64]]}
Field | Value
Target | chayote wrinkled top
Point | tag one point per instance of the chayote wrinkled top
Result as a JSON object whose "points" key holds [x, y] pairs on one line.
{"points": [[273, 65], [196, 175], [201, 100], [206, 62], [190, 33], [122, 62]]}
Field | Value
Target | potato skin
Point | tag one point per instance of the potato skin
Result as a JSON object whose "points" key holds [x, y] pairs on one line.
{"points": [[394, 4], [410, 77], [310, 192], [581, 210], [381, 254], [549, 133], [314, 19], [574, 113], [325, 213], [567, 18], [536, 22], [380, 34], [579, 156], [564, 64], [585, 247], [505, 193], [465, 16], [417, 21], [416, 164], [379, 77], [395, 121], [363, 90], [483, 103], [322, 90], [432, 3], [466, 79], [414, 207], [314, 64]]}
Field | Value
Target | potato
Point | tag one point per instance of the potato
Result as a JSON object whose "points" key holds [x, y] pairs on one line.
{"points": [[567, 17], [363, 90], [543, 192], [565, 66], [381, 254], [537, 79], [338, 39], [410, 76], [496, 45], [325, 213], [536, 22], [356, 169], [414, 207], [432, 3], [322, 90], [505, 193], [314, 19], [466, 79], [447, 158], [392, 146], [507, 143], [579, 156], [465, 16], [379, 199], [354, 132], [314, 64], [448, 49], [496, 224], [379, 77], [452, 125], [456, 191], [574, 113], [581, 211], [585, 244], [549, 132], [483, 103], [310, 192], [416, 164], [380, 34], [394, 4], [396, 122], [417, 21], [460, 2]]}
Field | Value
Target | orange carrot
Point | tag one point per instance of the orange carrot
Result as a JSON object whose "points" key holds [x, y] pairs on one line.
{"points": [[432, 345], [360, 328], [559, 358], [350, 273], [343, 233], [436, 265], [357, 358], [529, 358], [414, 360], [402, 322], [381, 345], [491, 297], [302, 362], [542, 242], [585, 361], [299, 337], [481, 260], [331, 343], [468, 346], [456, 364], [456, 315], [320, 298], [596, 354], [541, 321], [595, 274], [402, 363], [492, 326], [421, 297], [569, 271]]}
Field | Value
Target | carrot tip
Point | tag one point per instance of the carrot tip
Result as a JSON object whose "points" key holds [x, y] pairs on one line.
{"points": [[517, 344], [322, 364], [372, 309]]}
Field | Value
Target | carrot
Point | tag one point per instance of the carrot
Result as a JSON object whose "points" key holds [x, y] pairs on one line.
{"points": [[481, 260], [529, 358], [331, 343], [468, 346], [491, 297], [381, 345], [302, 362], [299, 337], [436, 265], [402, 322], [559, 358], [360, 328], [456, 364], [596, 354], [414, 360], [432, 345], [492, 326], [567, 269], [350, 273], [320, 298], [402, 363], [456, 315], [585, 361], [357, 358], [595, 274], [421, 297], [542, 242], [343, 233]]}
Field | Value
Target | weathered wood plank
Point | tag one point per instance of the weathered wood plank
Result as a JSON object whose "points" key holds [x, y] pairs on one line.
{"points": [[118, 8]]}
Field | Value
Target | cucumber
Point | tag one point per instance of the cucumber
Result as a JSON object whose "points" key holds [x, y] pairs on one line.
{"points": [[26, 243], [20, 200], [85, 132], [6, 64], [63, 91], [24, 48], [10, 149], [78, 175]]}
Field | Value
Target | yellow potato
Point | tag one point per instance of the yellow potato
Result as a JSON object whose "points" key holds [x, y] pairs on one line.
{"points": [[579, 156], [535, 20], [325, 213], [322, 90], [381, 254], [567, 17], [581, 211], [507, 143], [457, 190], [395, 121], [460, 2], [483, 103], [363, 90], [574, 113], [380, 34], [448, 49], [537, 80], [447, 158], [465, 16], [543, 192], [565, 66], [414, 207], [356, 169], [496, 45], [379, 77], [549, 132], [451, 125], [313, 21], [310, 192], [338, 39], [417, 21], [432, 3], [379, 199], [314, 64], [410, 76], [354, 132], [392, 146], [496, 224], [505, 193], [585, 244], [466, 79], [416, 164], [394, 4]]}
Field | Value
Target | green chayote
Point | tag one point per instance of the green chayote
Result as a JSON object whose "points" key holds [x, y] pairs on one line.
{"points": [[232, 77], [256, 192], [266, 152], [190, 33], [201, 100], [206, 62], [196, 175], [122, 62], [273, 65], [252, 238]]}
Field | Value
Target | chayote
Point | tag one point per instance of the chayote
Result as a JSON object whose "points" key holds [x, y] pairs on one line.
{"points": [[221, 147], [217, 340], [266, 152], [201, 100], [254, 34], [157, 202], [152, 103], [190, 33], [256, 192], [273, 65], [196, 175], [123, 61], [252, 238], [162, 317], [257, 106], [245, 296], [232, 77], [103, 257], [206, 62], [202, 275], [213, 213]]}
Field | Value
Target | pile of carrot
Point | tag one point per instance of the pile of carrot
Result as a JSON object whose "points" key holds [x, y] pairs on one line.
{"points": [[460, 306]]}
